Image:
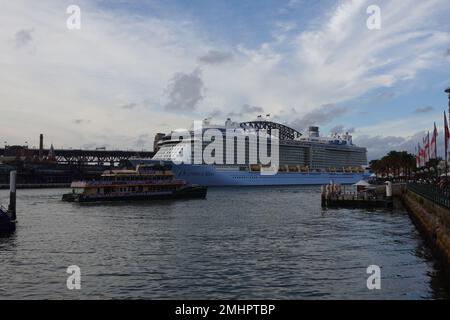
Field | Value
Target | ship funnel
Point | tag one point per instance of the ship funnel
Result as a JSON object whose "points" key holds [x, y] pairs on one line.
{"points": [[41, 146], [313, 131]]}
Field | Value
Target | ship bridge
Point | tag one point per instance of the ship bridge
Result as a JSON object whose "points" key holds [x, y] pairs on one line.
{"points": [[285, 132]]}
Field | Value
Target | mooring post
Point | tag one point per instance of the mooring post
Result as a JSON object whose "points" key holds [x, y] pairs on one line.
{"points": [[12, 195], [388, 189]]}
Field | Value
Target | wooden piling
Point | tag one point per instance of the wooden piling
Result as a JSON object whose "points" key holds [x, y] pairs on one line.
{"points": [[12, 195]]}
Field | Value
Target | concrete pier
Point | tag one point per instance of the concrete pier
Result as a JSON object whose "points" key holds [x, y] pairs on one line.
{"points": [[333, 195]]}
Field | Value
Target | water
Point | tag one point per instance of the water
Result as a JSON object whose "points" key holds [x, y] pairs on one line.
{"points": [[239, 243]]}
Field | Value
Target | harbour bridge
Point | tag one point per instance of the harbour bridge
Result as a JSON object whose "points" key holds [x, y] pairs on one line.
{"points": [[80, 156], [285, 132]]}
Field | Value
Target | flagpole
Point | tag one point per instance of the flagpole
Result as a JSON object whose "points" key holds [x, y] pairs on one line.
{"points": [[433, 151], [445, 142], [428, 143], [446, 128], [435, 134], [435, 141], [446, 163]]}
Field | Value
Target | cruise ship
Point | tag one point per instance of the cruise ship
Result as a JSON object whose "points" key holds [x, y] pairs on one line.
{"points": [[303, 159]]}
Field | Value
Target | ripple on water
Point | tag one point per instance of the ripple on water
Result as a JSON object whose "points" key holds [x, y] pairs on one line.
{"points": [[238, 243]]}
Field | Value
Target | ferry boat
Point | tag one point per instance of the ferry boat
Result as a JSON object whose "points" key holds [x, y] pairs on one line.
{"points": [[146, 182], [304, 159]]}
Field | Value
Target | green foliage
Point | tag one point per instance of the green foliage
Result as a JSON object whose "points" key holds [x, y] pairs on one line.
{"points": [[397, 163]]}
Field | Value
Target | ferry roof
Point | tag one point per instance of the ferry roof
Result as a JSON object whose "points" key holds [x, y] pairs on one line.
{"points": [[118, 172], [139, 171]]}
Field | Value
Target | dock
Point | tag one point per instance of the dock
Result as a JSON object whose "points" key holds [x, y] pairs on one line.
{"points": [[334, 196]]}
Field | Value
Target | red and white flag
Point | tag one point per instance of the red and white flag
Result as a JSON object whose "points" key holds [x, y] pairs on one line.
{"points": [[421, 156], [417, 157], [426, 147], [433, 145]]}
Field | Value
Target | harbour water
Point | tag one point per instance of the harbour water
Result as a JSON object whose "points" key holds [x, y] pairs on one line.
{"points": [[252, 243]]}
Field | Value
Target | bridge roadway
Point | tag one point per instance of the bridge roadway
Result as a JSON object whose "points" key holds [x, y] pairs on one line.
{"points": [[72, 156]]}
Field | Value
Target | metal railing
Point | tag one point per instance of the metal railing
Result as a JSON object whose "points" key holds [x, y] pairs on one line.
{"points": [[432, 193]]}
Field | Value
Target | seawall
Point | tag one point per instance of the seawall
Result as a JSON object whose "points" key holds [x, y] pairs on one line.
{"points": [[433, 221]]}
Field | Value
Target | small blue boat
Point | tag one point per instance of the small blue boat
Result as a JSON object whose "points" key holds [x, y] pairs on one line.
{"points": [[7, 224]]}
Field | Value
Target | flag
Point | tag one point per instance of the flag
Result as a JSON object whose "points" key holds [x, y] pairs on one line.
{"points": [[421, 156], [426, 148], [417, 158], [447, 135], [433, 145]]}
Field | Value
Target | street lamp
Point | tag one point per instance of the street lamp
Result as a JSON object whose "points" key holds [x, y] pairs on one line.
{"points": [[448, 92]]}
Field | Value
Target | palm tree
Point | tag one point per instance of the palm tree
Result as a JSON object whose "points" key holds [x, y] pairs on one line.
{"points": [[399, 163]]}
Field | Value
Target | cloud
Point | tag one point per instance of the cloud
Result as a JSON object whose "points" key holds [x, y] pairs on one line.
{"points": [[185, 91], [424, 109], [341, 129], [129, 106], [94, 145], [384, 96], [400, 135], [353, 60], [447, 53], [282, 29], [118, 57], [339, 51], [323, 115], [23, 38], [216, 57], [80, 121], [291, 4], [84, 72], [142, 141], [215, 113], [378, 145], [246, 110]]}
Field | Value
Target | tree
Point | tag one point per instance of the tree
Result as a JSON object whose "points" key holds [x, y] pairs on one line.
{"points": [[395, 163]]}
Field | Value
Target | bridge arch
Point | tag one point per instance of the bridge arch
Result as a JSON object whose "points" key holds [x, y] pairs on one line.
{"points": [[285, 132]]}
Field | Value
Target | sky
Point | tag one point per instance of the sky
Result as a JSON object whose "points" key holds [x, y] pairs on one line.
{"points": [[136, 68]]}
